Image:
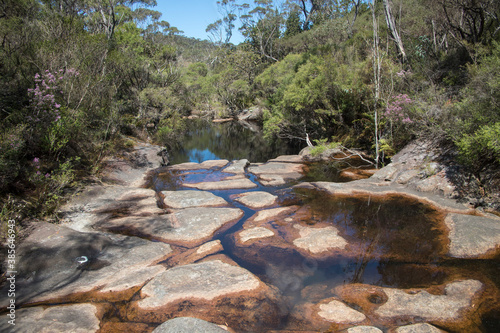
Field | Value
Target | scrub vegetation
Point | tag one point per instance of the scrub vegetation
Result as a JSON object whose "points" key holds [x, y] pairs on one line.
{"points": [[78, 77]]}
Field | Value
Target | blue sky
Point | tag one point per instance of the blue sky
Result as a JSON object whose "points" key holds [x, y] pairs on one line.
{"points": [[192, 16]]}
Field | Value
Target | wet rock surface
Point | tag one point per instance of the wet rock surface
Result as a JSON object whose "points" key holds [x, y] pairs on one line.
{"points": [[231, 244]]}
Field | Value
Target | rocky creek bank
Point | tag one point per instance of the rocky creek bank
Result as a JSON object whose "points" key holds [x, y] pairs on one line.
{"points": [[238, 246]]}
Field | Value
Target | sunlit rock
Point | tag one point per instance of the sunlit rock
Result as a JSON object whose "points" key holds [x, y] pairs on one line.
{"points": [[418, 328], [473, 236], [191, 198], [355, 174], [256, 200], [277, 173], [56, 263], [267, 215], [242, 183], [192, 255], [188, 325], [288, 159], [337, 312], [328, 315], [216, 290], [78, 318], [237, 167], [188, 227], [318, 240], [453, 306], [255, 233], [364, 329], [197, 166]]}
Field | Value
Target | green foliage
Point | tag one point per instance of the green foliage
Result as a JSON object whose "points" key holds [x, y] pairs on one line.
{"points": [[481, 148], [477, 116], [12, 150], [312, 71], [322, 93], [169, 131], [49, 186], [293, 24], [322, 145]]}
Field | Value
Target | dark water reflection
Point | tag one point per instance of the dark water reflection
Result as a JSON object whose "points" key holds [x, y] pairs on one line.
{"points": [[232, 141], [398, 228]]}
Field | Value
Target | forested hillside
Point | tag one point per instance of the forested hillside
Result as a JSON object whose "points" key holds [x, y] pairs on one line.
{"points": [[79, 76]]}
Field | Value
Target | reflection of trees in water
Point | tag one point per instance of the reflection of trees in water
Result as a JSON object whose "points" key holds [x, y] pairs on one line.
{"points": [[411, 275], [166, 180], [394, 227], [228, 141]]}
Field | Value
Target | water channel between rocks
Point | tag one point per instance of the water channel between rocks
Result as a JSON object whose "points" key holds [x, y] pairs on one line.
{"points": [[377, 259], [400, 242]]}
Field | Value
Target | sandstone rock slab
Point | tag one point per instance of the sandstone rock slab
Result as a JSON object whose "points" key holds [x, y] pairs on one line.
{"points": [[188, 325], [78, 318], [198, 166], [255, 233], [473, 236], [337, 312], [457, 297], [364, 329], [60, 264], [192, 255], [318, 240], [288, 159], [451, 306], [206, 280], [277, 173], [256, 200], [191, 198], [237, 167], [419, 328], [187, 227], [214, 290]]}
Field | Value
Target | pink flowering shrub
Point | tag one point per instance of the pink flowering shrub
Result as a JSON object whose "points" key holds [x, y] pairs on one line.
{"points": [[397, 110], [43, 98]]}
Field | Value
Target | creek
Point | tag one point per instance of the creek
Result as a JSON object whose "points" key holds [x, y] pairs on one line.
{"points": [[400, 243], [269, 249]]}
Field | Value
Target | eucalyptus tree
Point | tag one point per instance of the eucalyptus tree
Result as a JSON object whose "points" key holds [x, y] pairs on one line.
{"points": [[318, 11], [103, 16], [221, 30], [263, 24], [472, 21]]}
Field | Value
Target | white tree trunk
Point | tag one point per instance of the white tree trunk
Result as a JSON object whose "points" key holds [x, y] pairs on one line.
{"points": [[389, 18]]}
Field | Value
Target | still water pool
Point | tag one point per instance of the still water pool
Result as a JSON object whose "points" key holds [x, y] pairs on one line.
{"points": [[394, 242]]}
